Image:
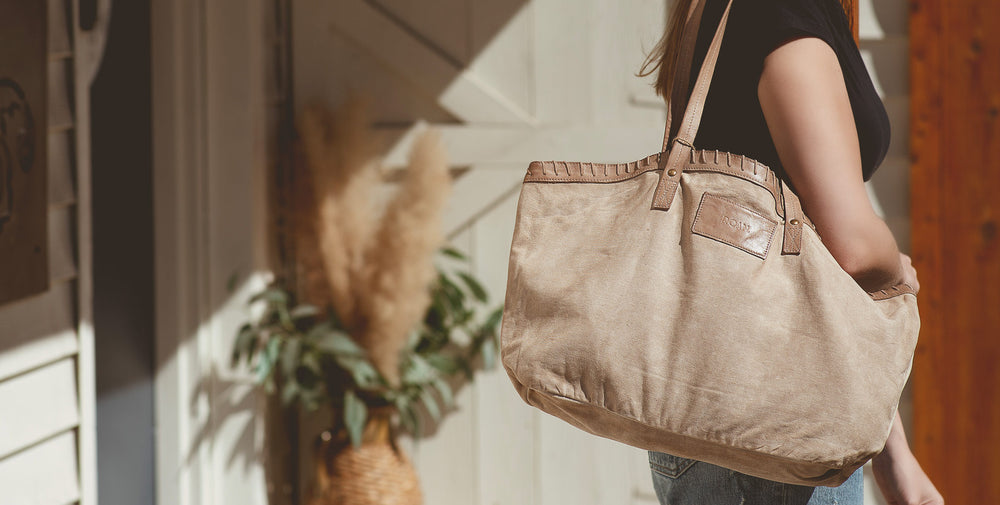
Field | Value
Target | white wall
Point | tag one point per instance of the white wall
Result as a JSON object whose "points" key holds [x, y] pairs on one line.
{"points": [[210, 214]]}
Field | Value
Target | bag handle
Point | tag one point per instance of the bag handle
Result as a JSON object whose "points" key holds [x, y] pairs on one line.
{"points": [[681, 143], [680, 89]]}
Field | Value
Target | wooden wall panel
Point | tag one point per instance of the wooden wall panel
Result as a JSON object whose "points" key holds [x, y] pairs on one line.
{"points": [[39, 416], [955, 187], [37, 330], [45, 474]]}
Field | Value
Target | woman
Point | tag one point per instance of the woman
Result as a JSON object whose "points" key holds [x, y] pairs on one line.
{"points": [[791, 91]]}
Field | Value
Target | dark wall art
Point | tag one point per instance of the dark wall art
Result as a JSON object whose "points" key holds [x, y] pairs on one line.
{"points": [[24, 269]]}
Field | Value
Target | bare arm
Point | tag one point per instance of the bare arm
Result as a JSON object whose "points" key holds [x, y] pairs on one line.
{"points": [[808, 113], [899, 475]]}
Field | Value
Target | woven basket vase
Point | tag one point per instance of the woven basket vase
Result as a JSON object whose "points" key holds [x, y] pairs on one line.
{"points": [[376, 473]]}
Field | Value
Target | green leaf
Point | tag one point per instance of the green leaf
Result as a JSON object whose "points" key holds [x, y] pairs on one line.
{"points": [[274, 296], [285, 317], [267, 359], [446, 364], [309, 372], [462, 318], [474, 286], [241, 346], [304, 311], [289, 393], [413, 339], [407, 417], [290, 354], [311, 399], [454, 253], [427, 396], [445, 391], [364, 374], [262, 335], [452, 294], [334, 341], [493, 320], [418, 371], [355, 413]]}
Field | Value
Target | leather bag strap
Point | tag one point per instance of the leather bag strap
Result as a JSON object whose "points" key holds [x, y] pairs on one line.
{"points": [[680, 140], [683, 143], [680, 88]]}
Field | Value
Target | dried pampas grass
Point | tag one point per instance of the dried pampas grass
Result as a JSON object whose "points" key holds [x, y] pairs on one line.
{"points": [[400, 259], [341, 154], [378, 266]]}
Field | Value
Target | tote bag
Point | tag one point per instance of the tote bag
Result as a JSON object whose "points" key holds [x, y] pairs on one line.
{"points": [[684, 303]]}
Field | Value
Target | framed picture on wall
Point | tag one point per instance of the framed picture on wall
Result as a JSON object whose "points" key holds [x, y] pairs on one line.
{"points": [[24, 269]]}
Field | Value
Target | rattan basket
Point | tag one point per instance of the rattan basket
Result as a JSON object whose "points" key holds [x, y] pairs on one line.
{"points": [[376, 473]]}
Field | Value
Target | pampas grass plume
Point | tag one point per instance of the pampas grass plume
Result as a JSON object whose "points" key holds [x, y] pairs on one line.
{"points": [[400, 259], [341, 154], [376, 268]]}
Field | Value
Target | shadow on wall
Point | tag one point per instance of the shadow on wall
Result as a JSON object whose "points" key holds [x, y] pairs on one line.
{"points": [[398, 51], [413, 56]]}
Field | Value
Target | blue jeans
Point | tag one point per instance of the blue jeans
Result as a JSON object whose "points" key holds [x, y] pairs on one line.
{"points": [[680, 481]]}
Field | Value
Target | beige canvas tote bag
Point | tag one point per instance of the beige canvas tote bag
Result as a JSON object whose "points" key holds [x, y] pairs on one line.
{"points": [[684, 303]]}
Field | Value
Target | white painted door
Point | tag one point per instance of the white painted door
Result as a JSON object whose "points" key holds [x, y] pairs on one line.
{"points": [[508, 81]]}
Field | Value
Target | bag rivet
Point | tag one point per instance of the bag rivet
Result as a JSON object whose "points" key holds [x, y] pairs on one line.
{"points": [[794, 222], [671, 172]]}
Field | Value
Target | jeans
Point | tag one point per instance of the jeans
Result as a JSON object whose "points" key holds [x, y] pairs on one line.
{"points": [[680, 481]]}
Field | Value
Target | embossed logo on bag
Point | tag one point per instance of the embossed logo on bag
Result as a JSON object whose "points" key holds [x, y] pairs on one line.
{"points": [[733, 224]]}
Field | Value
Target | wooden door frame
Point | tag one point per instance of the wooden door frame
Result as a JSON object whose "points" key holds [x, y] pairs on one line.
{"points": [[954, 212]]}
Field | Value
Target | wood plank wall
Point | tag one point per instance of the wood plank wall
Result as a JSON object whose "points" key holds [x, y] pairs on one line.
{"points": [[955, 195]]}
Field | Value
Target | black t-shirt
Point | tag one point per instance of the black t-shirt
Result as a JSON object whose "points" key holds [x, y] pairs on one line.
{"points": [[733, 120]]}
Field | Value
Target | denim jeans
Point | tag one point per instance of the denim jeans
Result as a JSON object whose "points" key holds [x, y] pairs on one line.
{"points": [[680, 481]]}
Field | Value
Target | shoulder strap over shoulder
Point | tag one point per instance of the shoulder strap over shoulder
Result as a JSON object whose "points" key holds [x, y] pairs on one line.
{"points": [[680, 89], [678, 146]]}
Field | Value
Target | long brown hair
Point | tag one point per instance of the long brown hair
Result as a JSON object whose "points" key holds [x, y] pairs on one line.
{"points": [[663, 58]]}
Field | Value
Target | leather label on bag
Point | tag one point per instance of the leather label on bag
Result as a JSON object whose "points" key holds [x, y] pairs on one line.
{"points": [[734, 225]]}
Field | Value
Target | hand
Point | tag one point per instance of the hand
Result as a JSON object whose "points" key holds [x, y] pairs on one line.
{"points": [[909, 273], [904, 482]]}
